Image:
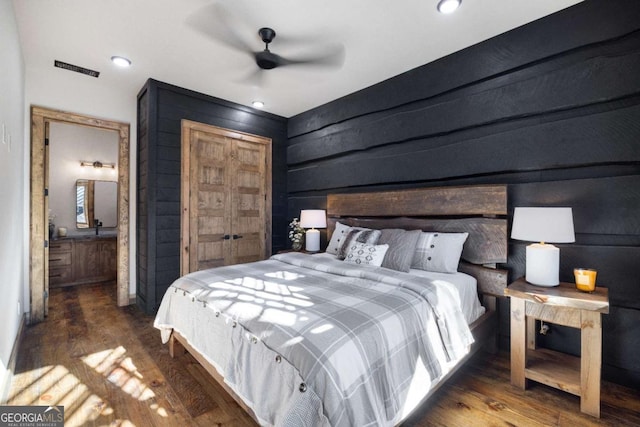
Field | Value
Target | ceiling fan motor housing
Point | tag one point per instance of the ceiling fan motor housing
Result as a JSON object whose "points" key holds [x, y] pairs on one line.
{"points": [[266, 60], [267, 34]]}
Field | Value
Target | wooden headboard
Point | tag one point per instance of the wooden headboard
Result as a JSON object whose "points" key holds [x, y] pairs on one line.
{"points": [[479, 210]]}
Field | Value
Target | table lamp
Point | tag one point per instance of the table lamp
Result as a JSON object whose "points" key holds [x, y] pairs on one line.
{"points": [[544, 225], [312, 219]]}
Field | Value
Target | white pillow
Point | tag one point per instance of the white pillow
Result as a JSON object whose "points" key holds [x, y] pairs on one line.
{"points": [[337, 237], [439, 252], [364, 235], [364, 254]]}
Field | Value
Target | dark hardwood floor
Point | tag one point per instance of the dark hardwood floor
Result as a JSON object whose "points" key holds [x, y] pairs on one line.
{"points": [[107, 366]]}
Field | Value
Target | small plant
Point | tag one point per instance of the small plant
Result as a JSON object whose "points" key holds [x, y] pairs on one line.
{"points": [[296, 234]]}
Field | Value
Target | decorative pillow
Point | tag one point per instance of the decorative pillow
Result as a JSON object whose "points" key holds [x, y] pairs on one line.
{"points": [[402, 246], [439, 252], [365, 235], [337, 238], [364, 254]]}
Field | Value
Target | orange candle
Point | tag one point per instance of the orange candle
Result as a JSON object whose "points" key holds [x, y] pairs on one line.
{"points": [[585, 279]]}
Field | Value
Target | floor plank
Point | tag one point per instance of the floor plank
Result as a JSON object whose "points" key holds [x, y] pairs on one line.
{"points": [[108, 367]]}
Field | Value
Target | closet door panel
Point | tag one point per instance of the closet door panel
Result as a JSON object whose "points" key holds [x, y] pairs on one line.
{"points": [[209, 200], [248, 195]]}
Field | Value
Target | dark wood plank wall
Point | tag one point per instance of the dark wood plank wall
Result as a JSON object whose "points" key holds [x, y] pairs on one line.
{"points": [[161, 107], [552, 109]]}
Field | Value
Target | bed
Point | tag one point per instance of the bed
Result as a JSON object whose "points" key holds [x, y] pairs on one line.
{"points": [[316, 340]]}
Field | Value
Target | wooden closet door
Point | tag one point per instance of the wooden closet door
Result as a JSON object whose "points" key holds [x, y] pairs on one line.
{"points": [[248, 201], [226, 194]]}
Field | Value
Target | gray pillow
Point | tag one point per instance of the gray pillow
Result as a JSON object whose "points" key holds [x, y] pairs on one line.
{"points": [[402, 245], [439, 252], [367, 236], [337, 238]]}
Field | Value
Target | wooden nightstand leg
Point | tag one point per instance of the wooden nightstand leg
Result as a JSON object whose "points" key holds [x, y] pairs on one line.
{"points": [[591, 362], [518, 342]]}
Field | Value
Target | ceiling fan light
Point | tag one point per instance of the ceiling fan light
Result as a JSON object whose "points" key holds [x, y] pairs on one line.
{"points": [[258, 104], [448, 6], [121, 61]]}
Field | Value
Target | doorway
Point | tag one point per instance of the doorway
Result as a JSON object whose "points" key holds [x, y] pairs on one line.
{"points": [[41, 118]]}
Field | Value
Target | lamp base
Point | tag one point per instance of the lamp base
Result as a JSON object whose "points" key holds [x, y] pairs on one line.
{"points": [[543, 264], [312, 240]]}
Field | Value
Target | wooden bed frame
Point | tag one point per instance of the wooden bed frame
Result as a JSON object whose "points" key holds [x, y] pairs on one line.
{"points": [[479, 210]]}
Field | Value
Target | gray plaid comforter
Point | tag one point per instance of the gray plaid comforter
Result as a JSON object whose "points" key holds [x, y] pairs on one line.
{"points": [[317, 341]]}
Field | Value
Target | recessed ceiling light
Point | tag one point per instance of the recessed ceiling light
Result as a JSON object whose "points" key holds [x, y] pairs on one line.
{"points": [[120, 61], [448, 6], [258, 104]]}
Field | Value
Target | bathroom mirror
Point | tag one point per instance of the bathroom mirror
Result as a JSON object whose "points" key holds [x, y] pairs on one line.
{"points": [[96, 200]]}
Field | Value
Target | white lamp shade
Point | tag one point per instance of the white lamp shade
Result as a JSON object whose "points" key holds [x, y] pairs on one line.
{"points": [[313, 218], [553, 225]]}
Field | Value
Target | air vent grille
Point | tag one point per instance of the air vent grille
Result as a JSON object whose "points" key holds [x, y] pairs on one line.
{"points": [[75, 68]]}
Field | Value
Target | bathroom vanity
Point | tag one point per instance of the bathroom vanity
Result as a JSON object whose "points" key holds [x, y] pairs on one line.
{"points": [[81, 260]]}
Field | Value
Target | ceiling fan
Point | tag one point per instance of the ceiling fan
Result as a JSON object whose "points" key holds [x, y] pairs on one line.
{"points": [[268, 60], [217, 23]]}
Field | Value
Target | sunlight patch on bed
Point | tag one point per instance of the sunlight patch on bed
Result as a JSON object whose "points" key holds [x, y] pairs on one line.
{"points": [[293, 341], [251, 289], [322, 328], [278, 317], [284, 275], [297, 301], [276, 288], [420, 385], [274, 304], [245, 310]]}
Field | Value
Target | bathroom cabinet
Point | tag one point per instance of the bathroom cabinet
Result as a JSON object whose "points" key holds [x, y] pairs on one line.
{"points": [[82, 260]]}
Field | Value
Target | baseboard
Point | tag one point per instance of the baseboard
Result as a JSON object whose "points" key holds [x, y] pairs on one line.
{"points": [[5, 382]]}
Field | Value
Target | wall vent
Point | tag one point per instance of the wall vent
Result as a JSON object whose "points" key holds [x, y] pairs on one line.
{"points": [[75, 68]]}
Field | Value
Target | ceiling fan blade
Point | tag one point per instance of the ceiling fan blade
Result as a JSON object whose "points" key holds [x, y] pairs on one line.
{"points": [[215, 22], [332, 57], [254, 78]]}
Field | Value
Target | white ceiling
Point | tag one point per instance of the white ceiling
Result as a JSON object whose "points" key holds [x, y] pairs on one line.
{"points": [[381, 39]]}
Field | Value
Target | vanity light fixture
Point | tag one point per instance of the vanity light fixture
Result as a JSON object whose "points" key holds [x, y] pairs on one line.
{"points": [[448, 6], [258, 104], [98, 164], [121, 61]]}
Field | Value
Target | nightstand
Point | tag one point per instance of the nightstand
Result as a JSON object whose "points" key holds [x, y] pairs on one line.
{"points": [[562, 305]]}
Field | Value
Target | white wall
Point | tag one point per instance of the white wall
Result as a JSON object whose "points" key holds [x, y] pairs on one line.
{"points": [[13, 200], [20, 89], [76, 93], [68, 146]]}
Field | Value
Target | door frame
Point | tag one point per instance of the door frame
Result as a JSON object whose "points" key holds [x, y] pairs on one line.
{"points": [[187, 126], [41, 117]]}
